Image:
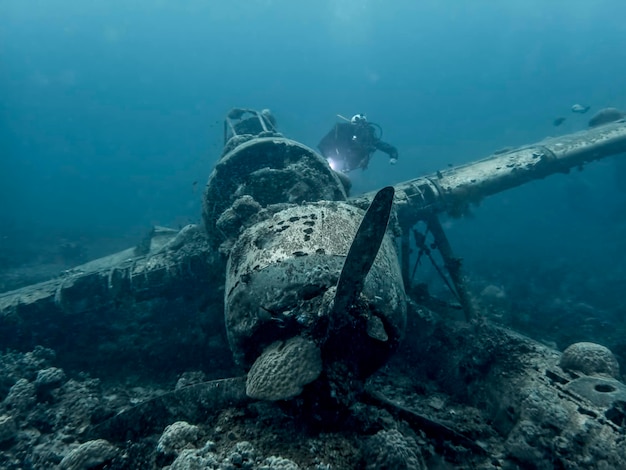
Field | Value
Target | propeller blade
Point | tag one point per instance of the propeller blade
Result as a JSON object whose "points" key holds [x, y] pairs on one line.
{"points": [[363, 250]]}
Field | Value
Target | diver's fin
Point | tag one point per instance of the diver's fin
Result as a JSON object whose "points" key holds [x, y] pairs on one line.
{"points": [[363, 251]]}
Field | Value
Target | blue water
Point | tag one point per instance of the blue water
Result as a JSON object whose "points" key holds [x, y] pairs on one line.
{"points": [[111, 110]]}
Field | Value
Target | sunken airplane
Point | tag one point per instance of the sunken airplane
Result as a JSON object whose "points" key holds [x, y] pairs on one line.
{"points": [[312, 290]]}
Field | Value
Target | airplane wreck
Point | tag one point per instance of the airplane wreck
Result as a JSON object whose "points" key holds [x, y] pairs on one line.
{"points": [[289, 319]]}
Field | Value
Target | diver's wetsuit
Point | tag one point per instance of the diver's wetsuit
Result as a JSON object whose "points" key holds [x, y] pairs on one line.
{"points": [[350, 146]]}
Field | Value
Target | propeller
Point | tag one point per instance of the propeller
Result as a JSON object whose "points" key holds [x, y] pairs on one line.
{"points": [[362, 253]]}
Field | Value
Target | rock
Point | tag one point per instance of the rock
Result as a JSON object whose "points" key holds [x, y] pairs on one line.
{"points": [[283, 369], [8, 429], [21, 397], [176, 437], [590, 359], [88, 455], [49, 379]]}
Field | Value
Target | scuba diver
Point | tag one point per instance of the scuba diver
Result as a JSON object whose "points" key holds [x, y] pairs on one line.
{"points": [[350, 145]]}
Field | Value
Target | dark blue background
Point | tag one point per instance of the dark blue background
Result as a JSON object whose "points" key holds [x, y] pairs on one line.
{"points": [[110, 110]]}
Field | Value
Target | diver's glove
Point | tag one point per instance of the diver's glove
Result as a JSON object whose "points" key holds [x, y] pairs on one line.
{"points": [[393, 160]]}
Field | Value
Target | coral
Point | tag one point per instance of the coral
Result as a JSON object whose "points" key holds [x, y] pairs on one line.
{"points": [[176, 437], [192, 459], [88, 455], [233, 218], [278, 463], [283, 369], [50, 377], [590, 359], [243, 454], [391, 449]]}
